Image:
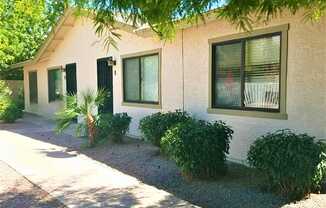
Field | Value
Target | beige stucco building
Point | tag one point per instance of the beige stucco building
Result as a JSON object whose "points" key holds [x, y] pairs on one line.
{"points": [[208, 70]]}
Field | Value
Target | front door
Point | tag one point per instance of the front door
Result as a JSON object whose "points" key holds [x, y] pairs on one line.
{"points": [[71, 79], [104, 81]]}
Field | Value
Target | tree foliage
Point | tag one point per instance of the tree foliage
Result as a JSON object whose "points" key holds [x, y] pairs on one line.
{"points": [[10, 106], [162, 15], [24, 25]]}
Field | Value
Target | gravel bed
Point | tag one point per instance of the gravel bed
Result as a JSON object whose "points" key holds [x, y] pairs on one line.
{"points": [[144, 161], [239, 188]]}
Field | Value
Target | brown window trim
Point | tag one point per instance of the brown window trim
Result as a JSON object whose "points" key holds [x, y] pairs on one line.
{"points": [[281, 112], [242, 41], [141, 103]]}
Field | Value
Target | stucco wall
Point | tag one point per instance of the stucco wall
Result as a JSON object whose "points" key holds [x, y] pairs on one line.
{"points": [[306, 76], [306, 82]]}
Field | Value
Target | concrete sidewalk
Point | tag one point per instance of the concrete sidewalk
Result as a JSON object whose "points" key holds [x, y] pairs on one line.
{"points": [[18, 192], [73, 178]]}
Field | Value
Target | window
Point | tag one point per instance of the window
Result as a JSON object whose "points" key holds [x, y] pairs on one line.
{"points": [[141, 79], [33, 96], [246, 73], [54, 84]]}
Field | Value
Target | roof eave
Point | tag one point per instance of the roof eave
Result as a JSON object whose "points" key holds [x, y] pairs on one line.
{"points": [[46, 42], [52, 34], [21, 64], [142, 32], [181, 24]]}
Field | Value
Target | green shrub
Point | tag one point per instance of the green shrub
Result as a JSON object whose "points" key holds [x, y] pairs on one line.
{"points": [[102, 127], [9, 111], [19, 99], [199, 148], [153, 127], [115, 126], [293, 164], [10, 108], [4, 90]]}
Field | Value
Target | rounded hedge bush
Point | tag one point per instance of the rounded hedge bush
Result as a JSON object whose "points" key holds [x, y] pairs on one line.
{"points": [[153, 127], [115, 125], [199, 148], [293, 164]]}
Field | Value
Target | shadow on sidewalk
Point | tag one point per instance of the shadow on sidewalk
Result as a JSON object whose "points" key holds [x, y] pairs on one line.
{"points": [[17, 192], [143, 161]]}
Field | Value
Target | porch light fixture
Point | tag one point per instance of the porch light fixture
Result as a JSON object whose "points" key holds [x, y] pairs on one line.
{"points": [[111, 61]]}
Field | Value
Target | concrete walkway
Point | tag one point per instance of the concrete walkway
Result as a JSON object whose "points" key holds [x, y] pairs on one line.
{"points": [[16, 191], [73, 178]]}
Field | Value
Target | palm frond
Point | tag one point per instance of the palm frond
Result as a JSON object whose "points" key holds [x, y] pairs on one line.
{"points": [[101, 96], [85, 109], [67, 116], [64, 119], [87, 102], [81, 130]]}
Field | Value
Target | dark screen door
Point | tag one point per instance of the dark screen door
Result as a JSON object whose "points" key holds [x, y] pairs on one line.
{"points": [[104, 81], [71, 79]]}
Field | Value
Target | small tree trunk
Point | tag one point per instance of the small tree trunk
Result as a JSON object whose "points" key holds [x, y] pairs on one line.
{"points": [[91, 129]]}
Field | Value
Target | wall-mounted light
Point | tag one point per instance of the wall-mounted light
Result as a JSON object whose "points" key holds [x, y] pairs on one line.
{"points": [[111, 61]]}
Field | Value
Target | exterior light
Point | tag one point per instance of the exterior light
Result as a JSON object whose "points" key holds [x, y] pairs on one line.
{"points": [[111, 61]]}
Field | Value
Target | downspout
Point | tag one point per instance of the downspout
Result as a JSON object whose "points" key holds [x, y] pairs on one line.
{"points": [[183, 71]]}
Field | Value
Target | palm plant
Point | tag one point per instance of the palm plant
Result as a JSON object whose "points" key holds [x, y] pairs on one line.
{"points": [[85, 110]]}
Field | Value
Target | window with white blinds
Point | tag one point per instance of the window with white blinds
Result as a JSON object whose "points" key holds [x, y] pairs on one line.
{"points": [[141, 79], [246, 73]]}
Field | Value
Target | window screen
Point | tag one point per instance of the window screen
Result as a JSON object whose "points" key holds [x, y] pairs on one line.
{"points": [[246, 73], [141, 79]]}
